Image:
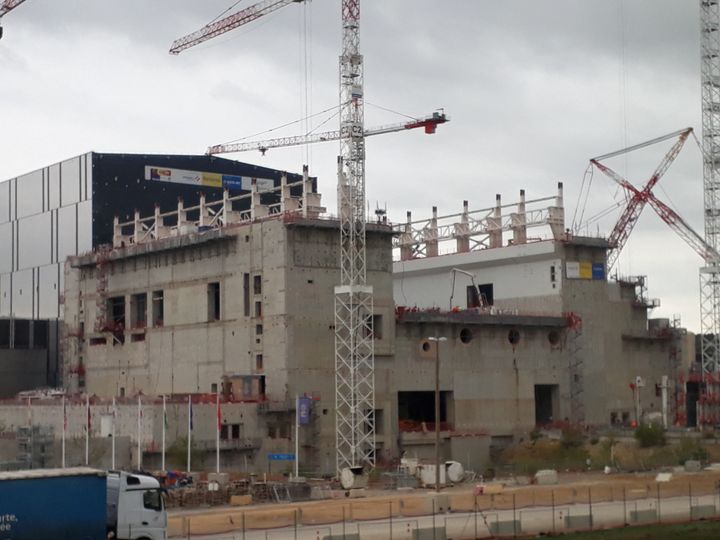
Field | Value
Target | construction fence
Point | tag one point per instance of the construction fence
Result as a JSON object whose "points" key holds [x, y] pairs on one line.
{"points": [[506, 514]]}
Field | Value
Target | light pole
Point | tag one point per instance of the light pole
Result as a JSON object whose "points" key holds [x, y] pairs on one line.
{"points": [[437, 340]]}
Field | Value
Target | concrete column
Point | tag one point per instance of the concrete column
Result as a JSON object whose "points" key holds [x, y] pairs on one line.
{"points": [[519, 222], [406, 240], [119, 240], [462, 231], [495, 224], [430, 235], [137, 228], [160, 230], [257, 209], [204, 213], [556, 215]]}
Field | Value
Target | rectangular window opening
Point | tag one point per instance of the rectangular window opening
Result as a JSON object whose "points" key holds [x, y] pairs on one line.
{"points": [[258, 309], [257, 284], [213, 294], [246, 294], [138, 310], [258, 362], [158, 307], [259, 329], [487, 298]]}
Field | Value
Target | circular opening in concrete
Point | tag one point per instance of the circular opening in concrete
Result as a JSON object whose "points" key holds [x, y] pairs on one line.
{"points": [[554, 337], [466, 335], [426, 346], [514, 337]]}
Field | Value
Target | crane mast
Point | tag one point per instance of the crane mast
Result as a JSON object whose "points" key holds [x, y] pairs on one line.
{"points": [[354, 332], [710, 273]]}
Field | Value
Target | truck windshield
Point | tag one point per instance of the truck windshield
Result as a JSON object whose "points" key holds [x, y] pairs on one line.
{"points": [[152, 500]]}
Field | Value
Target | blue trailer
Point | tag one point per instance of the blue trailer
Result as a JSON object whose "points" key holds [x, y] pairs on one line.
{"points": [[53, 504]]}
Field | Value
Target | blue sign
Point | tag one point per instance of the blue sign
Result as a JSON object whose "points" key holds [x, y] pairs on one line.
{"points": [[598, 271], [304, 404], [232, 182], [281, 457]]}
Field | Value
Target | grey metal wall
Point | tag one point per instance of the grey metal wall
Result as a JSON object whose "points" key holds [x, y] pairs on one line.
{"points": [[45, 216]]}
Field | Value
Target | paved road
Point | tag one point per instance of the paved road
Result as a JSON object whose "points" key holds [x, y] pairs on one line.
{"points": [[529, 520]]}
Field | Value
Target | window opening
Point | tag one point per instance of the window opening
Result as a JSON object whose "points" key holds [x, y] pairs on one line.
{"points": [[138, 310], [246, 294], [213, 294], [257, 284], [158, 307]]}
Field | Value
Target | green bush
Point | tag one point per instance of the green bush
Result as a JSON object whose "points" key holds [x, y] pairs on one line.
{"points": [[649, 435], [690, 449], [572, 437]]}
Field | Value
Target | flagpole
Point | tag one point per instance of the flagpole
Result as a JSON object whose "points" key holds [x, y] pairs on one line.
{"points": [[87, 429], [164, 422], [189, 436], [114, 413], [64, 421], [139, 427], [297, 436], [217, 435]]}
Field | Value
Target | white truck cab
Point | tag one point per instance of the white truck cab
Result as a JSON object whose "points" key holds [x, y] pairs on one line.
{"points": [[135, 507]]}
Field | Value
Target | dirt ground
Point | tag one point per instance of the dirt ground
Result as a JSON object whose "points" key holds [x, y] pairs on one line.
{"points": [[507, 494]]}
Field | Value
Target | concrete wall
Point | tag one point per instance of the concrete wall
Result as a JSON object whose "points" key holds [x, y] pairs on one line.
{"points": [[520, 275]]}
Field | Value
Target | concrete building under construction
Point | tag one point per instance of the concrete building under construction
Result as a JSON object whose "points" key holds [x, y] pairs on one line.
{"points": [[240, 302]]}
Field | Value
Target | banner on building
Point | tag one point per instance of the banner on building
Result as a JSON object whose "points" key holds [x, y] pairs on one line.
{"points": [[206, 179], [304, 406], [584, 270]]}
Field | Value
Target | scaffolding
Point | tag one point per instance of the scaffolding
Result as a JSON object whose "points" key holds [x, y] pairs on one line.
{"points": [[576, 368]]}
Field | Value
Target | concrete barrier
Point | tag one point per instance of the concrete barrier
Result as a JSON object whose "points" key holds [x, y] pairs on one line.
{"points": [[643, 516], [437, 533], [546, 477], [580, 521], [701, 511], [505, 527]]}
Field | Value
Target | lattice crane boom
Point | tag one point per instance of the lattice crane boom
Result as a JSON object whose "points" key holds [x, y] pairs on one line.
{"points": [[232, 21], [428, 123], [685, 231], [637, 200], [8, 5]]}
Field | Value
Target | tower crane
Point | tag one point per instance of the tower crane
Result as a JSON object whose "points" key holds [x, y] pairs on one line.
{"points": [[638, 198], [710, 273], [5, 7], [354, 333], [428, 123]]}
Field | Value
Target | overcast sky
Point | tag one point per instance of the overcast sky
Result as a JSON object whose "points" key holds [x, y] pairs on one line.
{"points": [[534, 88]]}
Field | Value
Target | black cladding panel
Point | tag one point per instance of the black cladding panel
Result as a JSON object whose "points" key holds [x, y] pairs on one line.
{"points": [[119, 186]]}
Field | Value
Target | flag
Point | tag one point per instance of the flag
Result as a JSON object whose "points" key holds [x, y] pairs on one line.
{"points": [[191, 413], [219, 414], [165, 416], [64, 407], [89, 417], [29, 411]]}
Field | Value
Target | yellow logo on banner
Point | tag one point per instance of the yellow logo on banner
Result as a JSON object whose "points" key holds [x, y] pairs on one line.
{"points": [[211, 179], [585, 270]]}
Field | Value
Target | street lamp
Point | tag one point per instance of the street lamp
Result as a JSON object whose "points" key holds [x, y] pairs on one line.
{"points": [[437, 340]]}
